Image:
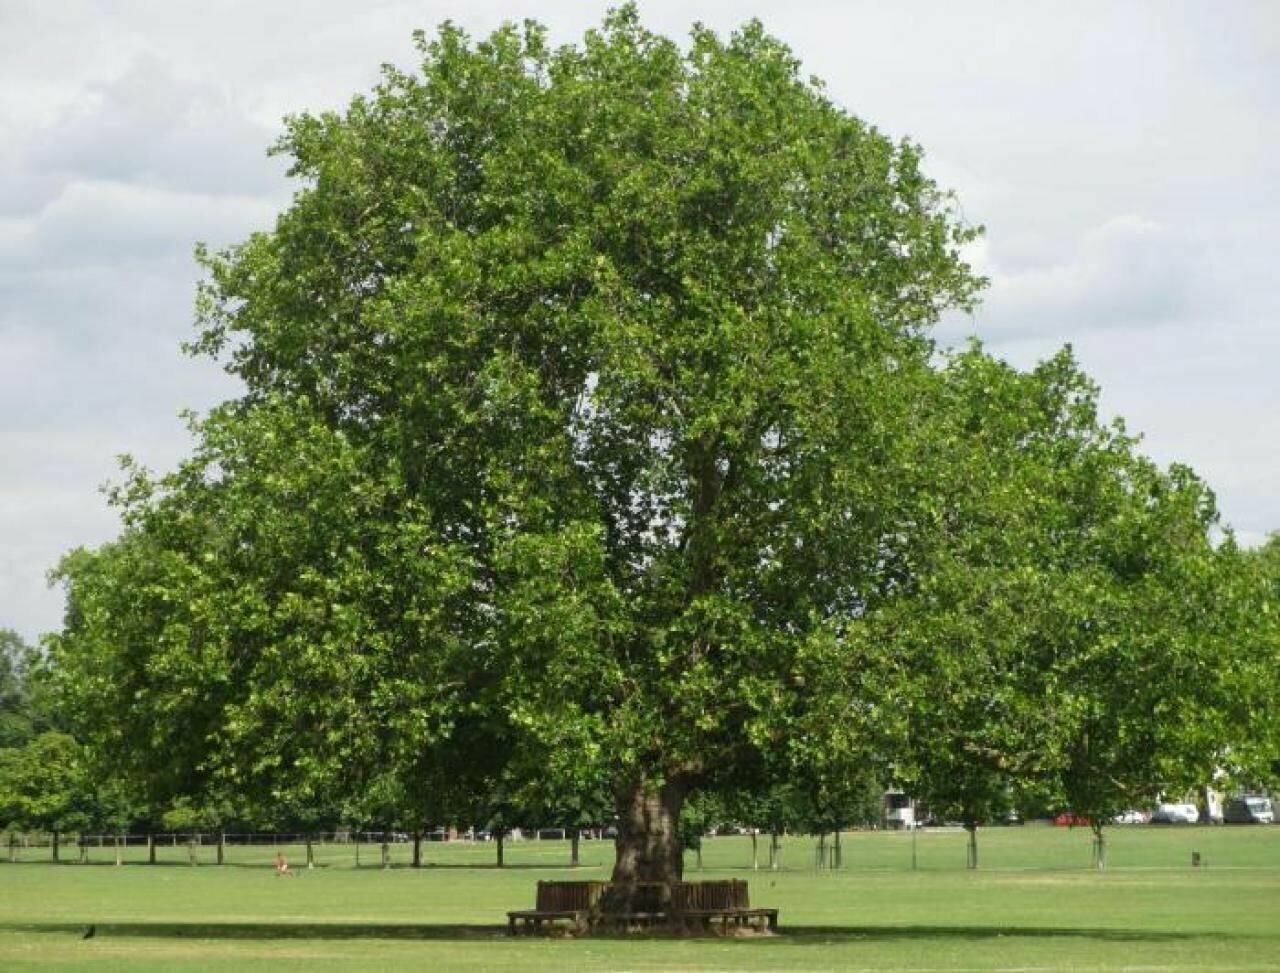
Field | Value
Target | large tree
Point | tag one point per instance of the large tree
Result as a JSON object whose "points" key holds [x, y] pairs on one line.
{"points": [[572, 438]]}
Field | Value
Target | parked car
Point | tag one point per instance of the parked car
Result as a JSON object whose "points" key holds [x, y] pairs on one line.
{"points": [[1069, 820], [1249, 809], [1131, 817], [1175, 814]]}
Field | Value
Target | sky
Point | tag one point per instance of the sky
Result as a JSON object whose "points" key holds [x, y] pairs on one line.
{"points": [[1121, 156]]}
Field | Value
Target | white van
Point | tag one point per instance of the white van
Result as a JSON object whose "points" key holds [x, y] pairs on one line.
{"points": [[1249, 809]]}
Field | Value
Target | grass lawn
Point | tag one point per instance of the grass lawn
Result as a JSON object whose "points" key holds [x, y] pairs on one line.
{"points": [[1034, 904]]}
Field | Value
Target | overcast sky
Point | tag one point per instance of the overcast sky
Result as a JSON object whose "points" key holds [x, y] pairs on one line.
{"points": [[1122, 157]]}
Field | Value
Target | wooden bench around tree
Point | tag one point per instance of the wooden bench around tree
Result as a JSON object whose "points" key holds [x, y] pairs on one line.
{"points": [[557, 902], [697, 905]]}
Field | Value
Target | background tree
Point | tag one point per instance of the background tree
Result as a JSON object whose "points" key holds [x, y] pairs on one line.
{"points": [[1054, 567], [45, 786], [17, 721], [1247, 610]]}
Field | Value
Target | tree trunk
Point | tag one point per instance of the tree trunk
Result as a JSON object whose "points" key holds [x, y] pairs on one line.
{"points": [[311, 854], [499, 834], [119, 860], [755, 850], [775, 850], [151, 849], [971, 855], [574, 837], [649, 860], [55, 846], [839, 853], [386, 852], [417, 849], [1099, 847], [222, 846]]}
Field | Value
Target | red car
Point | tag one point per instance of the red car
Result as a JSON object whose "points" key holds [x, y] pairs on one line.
{"points": [[1069, 820]]}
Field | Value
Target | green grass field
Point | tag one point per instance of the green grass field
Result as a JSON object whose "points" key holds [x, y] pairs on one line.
{"points": [[1034, 905]]}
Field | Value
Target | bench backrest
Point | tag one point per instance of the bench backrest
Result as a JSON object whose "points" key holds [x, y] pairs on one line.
{"points": [[731, 894], [694, 896], [568, 896]]}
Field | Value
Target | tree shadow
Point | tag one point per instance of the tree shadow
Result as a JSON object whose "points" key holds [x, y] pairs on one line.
{"points": [[788, 936], [815, 935], [267, 865], [270, 930]]}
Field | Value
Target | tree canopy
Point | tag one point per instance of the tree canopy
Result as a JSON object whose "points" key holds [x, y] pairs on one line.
{"points": [[593, 441]]}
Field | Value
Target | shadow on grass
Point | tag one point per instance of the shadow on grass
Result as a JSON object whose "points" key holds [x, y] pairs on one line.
{"points": [[789, 936], [268, 865]]}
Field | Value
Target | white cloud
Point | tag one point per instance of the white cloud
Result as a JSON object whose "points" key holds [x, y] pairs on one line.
{"points": [[1129, 272], [111, 221]]}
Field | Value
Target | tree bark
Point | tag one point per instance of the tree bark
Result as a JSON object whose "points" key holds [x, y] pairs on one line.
{"points": [[648, 856], [574, 837], [55, 846], [1099, 847], [417, 849], [499, 834], [972, 848]]}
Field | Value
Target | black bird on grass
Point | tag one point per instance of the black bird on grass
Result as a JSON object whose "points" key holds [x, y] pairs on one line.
{"points": [[90, 932]]}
